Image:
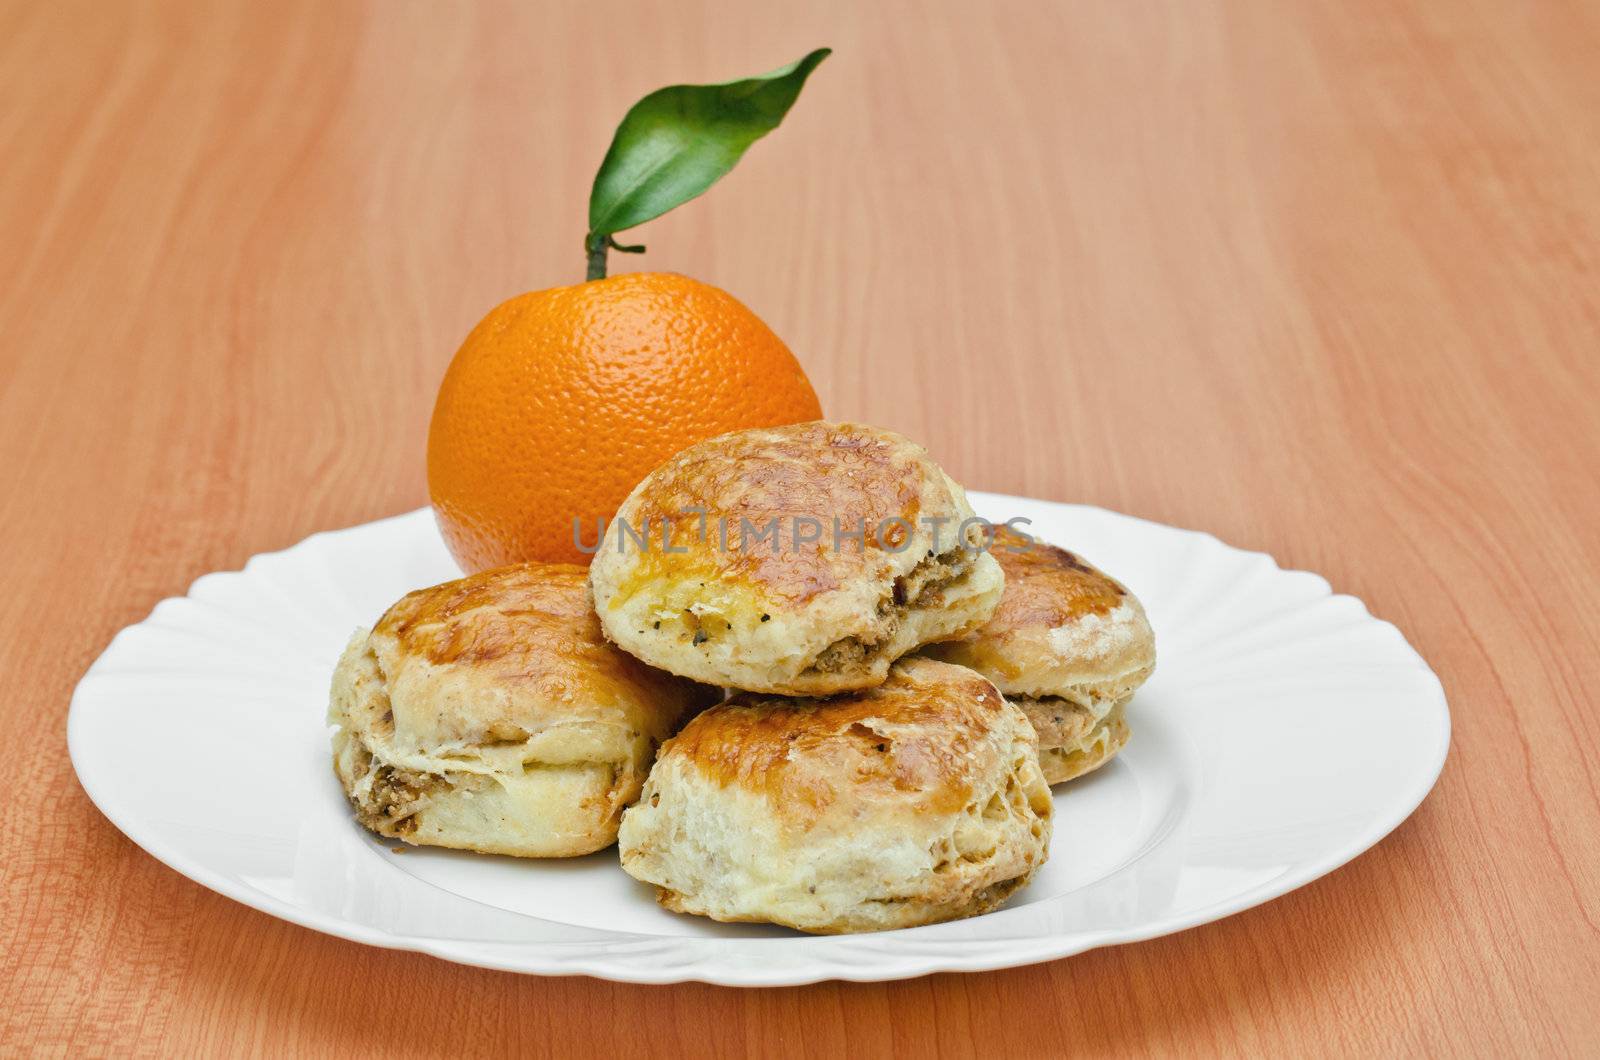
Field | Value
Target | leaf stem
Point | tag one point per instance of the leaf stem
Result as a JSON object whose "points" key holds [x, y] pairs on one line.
{"points": [[597, 246]]}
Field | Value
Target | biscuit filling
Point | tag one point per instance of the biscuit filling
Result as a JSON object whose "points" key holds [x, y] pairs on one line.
{"points": [[842, 655], [920, 587], [392, 797], [1073, 739], [1059, 722]]}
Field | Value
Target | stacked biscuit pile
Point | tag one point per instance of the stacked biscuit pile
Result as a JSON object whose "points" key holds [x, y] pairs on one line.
{"points": [[904, 688]]}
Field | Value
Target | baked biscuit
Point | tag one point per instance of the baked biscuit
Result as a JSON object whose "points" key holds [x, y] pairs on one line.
{"points": [[910, 803], [869, 551], [1068, 645], [490, 714]]}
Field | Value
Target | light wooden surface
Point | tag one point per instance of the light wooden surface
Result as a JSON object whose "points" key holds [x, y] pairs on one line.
{"points": [[1321, 279]]}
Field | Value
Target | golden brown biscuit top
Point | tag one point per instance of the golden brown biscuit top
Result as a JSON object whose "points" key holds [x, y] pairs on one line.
{"points": [[858, 474], [483, 655], [1046, 586], [920, 740]]}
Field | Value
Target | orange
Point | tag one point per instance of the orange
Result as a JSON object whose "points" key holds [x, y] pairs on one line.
{"points": [[560, 401]]}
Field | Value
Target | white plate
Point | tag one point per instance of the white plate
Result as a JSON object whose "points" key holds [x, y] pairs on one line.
{"points": [[1285, 731]]}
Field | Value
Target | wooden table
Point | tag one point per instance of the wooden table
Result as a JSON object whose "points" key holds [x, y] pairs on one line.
{"points": [[1320, 279]]}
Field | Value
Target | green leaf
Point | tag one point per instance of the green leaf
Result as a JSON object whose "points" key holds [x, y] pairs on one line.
{"points": [[678, 141]]}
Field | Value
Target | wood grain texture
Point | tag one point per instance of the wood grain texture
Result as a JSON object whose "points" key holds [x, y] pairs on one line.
{"points": [[1320, 279]]}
